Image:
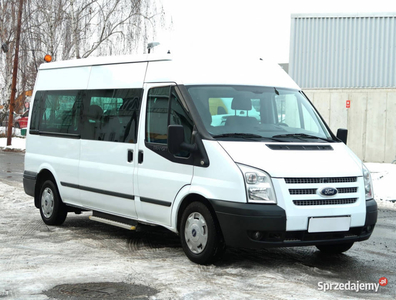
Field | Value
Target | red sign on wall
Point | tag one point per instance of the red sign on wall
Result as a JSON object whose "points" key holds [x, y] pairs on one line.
{"points": [[348, 104]]}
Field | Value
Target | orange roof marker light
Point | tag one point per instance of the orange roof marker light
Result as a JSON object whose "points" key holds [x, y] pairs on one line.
{"points": [[48, 58]]}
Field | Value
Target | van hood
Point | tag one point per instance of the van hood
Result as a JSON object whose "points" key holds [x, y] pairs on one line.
{"points": [[338, 161]]}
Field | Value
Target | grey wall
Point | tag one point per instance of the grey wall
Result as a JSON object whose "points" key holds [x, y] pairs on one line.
{"points": [[371, 119], [343, 50]]}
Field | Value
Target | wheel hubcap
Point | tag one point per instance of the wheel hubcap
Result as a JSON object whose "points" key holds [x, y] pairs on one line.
{"points": [[196, 233], [47, 203]]}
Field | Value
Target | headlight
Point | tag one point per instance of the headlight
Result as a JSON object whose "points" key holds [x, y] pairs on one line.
{"points": [[368, 183], [258, 185]]}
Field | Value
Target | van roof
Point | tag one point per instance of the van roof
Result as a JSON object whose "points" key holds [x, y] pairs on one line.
{"points": [[104, 60], [194, 70]]}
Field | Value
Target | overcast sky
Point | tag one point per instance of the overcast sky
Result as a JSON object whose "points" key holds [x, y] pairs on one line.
{"points": [[252, 27]]}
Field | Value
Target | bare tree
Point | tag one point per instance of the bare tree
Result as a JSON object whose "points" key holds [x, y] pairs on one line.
{"points": [[68, 29], [7, 30], [110, 26]]}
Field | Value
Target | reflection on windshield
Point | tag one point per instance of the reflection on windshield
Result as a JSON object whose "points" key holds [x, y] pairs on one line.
{"points": [[258, 112]]}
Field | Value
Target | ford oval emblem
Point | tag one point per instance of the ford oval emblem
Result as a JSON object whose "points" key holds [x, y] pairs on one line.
{"points": [[328, 191]]}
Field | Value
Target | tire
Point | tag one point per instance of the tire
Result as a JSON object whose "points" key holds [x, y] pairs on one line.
{"points": [[335, 249], [52, 209], [200, 235]]}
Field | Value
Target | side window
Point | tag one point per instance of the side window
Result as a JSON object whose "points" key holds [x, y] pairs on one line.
{"points": [[178, 116], [57, 111], [161, 113], [36, 116], [157, 115], [111, 115]]}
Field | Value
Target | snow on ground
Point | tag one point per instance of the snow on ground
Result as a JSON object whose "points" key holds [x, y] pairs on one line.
{"points": [[36, 257], [18, 141], [384, 180]]}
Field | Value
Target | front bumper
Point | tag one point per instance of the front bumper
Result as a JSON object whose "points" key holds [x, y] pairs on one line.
{"points": [[258, 226]]}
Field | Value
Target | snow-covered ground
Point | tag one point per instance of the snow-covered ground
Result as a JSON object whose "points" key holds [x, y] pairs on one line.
{"points": [[384, 181], [18, 141]]}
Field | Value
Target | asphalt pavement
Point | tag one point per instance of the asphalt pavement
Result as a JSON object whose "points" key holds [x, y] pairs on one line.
{"points": [[11, 166]]}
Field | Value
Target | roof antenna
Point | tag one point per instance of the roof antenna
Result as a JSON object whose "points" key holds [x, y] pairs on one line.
{"points": [[151, 46]]}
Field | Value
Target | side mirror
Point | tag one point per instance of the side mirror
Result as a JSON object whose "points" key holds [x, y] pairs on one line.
{"points": [[342, 134], [175, 138]]}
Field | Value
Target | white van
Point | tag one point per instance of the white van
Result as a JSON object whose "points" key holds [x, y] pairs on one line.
{"points": [[223, 153]]}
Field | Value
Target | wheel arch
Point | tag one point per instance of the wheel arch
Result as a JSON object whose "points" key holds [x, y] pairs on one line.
{"points": [[189, 199], [43, 176], [194, 197]]}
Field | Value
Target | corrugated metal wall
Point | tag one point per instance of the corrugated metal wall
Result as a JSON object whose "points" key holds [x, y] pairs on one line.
{"points": [[343, 51]]}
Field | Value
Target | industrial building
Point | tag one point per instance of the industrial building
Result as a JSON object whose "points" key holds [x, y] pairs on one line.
{"points": [[346, 64]]}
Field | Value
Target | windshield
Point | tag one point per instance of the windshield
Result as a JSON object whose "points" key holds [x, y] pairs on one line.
{"points": [[251, 112]]}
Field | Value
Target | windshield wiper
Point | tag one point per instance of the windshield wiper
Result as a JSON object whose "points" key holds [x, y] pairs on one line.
{"points": [[238, 134], [244, 136], [303, 136]]}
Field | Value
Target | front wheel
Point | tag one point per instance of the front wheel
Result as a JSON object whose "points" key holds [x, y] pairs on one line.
{"points": [[52, 209], [335, 249], [199, 234]]}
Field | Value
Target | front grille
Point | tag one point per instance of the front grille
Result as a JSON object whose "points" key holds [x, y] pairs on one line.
{"points": [[346, 190], [324, 202], [314, 180], [302, 191], [308, 191]]}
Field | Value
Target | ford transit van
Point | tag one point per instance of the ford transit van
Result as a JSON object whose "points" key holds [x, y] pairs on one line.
{"points": [[221, 152]]}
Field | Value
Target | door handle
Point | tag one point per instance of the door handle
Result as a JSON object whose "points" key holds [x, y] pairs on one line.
{"points": [[130, 155], [140, 156]]}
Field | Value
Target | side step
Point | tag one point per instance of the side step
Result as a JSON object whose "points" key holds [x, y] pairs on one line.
{"points": [[114, 220]]}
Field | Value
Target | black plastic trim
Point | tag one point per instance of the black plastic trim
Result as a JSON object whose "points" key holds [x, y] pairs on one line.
{"points": [[236, 219], [240, 222], [56, 134], [93, 190], [371, 212], [195, 159], [29, 182], [299, 147], [157, 202]]}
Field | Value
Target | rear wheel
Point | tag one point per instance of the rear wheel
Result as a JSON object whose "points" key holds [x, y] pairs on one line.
{"points": [[200, 235], [336, 248], [52, 209]]}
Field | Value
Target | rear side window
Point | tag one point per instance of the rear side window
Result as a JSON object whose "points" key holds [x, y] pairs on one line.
{"points": [[107, 115], [111, 115], [57, 112]]}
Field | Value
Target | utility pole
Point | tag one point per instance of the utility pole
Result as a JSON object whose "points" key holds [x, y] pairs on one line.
{"points": [[14, 75]]}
